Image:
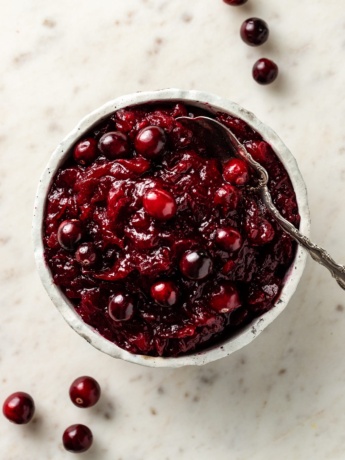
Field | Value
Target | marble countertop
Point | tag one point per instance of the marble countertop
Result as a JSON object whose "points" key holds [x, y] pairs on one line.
{"points": [[283, 395]]}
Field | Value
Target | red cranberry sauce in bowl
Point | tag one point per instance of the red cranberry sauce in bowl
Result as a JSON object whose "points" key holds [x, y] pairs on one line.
{"points": [[160, 247]]}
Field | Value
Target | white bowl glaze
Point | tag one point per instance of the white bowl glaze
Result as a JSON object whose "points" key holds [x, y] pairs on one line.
{"points": [[249, 332]]}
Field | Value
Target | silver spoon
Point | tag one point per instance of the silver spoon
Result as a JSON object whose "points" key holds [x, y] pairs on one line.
{"points": [[223, 140]]}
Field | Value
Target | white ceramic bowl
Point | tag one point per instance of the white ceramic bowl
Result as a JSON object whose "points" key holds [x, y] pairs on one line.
{"points": [[249, 332]]}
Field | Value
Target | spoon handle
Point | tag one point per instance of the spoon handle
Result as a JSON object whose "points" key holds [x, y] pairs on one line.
{"points": [[317, 253]]}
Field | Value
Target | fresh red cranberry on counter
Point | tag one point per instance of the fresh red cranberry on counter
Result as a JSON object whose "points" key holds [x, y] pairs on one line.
{"points": [[150, 142], [160, 204], [229, 238], [19, 408], [86, 255], [164, 293], [225, 298], [254, 31], [85, 391], [195, 264], [77, 438], [227, 196], [120, 307], [265, 71], [235, 2], [69, 233], [114, 145], [235, 171], [85, 152]]}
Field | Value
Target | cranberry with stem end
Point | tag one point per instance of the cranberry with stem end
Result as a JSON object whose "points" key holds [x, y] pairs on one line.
{"points": [[235, 2], [150, 142], [85, 152], [265, 71], [120, 307], [225, 298], [164, 293], [236, 172], [19, 408], [69, 233], [85, 391], [254, 31], [114, 145], [77, 438], [229, 238], [160, 204], [86, 255], [195, 264]]}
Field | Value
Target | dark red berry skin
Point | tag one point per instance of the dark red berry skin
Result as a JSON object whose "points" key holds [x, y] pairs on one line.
{"points": [[69, 233], [86, 255], [160, 204], [229, 238], [265, 71], [77, 438], [235, 171], [114, 145], [85, 392], [235, 2], [164, 293], [254, 31], [85, 152], [195, 265], [150, 142], [226, 298], [120, 307], [19, 408], [227, 196]]}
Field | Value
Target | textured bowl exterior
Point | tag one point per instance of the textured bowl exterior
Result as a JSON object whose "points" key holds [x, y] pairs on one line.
{"points": [[249, 332]]}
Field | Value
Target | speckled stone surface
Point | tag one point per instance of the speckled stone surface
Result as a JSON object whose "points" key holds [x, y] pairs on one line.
{"points": [[283, 395]]}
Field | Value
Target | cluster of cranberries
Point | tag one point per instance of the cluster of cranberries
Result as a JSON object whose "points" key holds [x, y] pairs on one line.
{"points": [[85, 391], [255, 32]]}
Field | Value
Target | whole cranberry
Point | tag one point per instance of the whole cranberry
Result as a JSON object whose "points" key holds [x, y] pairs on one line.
{"points": [[225, 298], [229, 238], [235, 2], [120, 307], [69, 233], [150, 141], [227, 196], [114, 145], [235, 171], [195, 264], [160, 204], [164, 293], [265, 71], [254, 31], [19, 408], [85, 391], [86, 255], [77, 438], [85, 152], [261, 233]]}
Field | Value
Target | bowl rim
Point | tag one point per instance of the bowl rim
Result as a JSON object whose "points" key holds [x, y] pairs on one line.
{"points": [[211, 102]]}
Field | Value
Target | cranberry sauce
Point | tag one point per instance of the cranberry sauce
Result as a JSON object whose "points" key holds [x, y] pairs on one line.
{"points": [[161, 247]]}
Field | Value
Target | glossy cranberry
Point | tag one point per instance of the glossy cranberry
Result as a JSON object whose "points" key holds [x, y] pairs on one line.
{"points": [[229, 238], [86, 255], [195, 264], [69, 233], [235, 2], [114, 145], [85, 152], [120, 307], [150, 142], [254, 31], [164, 293], [85, 391], [236, 172], [227, 196], [260, 151], [261, 233], [19, 408], [77, 438], [160, 204], [265, 71], [225, 298]]}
